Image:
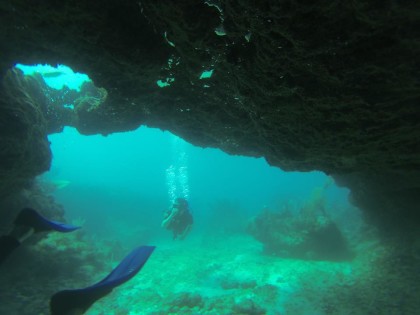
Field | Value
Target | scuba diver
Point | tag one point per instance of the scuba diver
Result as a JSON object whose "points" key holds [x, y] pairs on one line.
{"points": [[77, 301], [178, 219]]}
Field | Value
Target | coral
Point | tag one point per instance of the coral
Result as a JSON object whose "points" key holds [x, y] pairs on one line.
{"points": [[90, 98], [309, 234], [185, 302], [247, 307]]}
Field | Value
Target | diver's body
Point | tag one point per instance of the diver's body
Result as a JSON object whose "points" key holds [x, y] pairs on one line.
{"points": [[178, 219]]}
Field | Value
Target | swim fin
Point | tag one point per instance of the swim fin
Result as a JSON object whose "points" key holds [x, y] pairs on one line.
{"points": [[27, 222], [78, 301], [30, 218]]}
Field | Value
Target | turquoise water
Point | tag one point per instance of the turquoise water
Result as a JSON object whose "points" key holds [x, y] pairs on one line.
{"points": [[125, 175], [117, 188], [56, 77]]}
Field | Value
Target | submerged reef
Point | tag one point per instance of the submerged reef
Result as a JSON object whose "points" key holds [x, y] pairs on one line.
{"points": [[312, 237], [288, 236], [307, 234]]}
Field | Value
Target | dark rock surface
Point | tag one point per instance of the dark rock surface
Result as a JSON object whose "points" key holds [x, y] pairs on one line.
{"points": [[332, 86], [24, 147]]}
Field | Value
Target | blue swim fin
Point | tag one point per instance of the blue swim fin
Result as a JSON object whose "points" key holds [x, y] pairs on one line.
{"points": [[78, 301], [30, 218]]}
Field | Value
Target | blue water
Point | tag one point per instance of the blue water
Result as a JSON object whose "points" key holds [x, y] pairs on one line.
{"points": [[125, 176], [63, 75]]}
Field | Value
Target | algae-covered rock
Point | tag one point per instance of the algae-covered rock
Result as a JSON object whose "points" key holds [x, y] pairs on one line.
{"points": [[247, 307], [293, 237], [24, 147], [307, 234], [185, 301]]}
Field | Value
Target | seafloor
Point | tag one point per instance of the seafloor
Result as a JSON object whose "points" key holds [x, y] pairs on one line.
{"points": [[209, 274]]}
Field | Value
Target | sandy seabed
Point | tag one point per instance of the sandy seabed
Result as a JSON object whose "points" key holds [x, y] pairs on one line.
{"points": [[212, 275]]}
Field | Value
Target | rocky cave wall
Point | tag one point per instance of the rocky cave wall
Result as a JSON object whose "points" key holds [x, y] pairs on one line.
{"points": [[332, 86]]}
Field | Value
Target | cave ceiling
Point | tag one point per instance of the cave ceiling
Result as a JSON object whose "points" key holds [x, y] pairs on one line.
{"points": [[307, 85]]}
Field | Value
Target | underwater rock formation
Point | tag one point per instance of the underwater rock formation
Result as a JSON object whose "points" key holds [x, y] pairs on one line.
{"points": [[24, 147], [299, 236], [305, 233], [307, 85], [30, 110]]}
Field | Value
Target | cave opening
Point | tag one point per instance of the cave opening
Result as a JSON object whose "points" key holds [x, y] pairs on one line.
{"points": [[145, 170], [246, 213]]}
